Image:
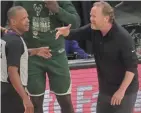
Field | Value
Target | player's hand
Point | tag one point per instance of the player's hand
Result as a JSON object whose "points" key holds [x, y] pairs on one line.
{"points": [[29, 108], [4, 30], [53, 6], [44, 52], [117, 97], [63, 31]]}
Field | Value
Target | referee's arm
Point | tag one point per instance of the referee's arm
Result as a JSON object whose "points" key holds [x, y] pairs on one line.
{"points": [[14, 51]]}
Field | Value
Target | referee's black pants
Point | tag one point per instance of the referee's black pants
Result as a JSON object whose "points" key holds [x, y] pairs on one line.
{"points": [[10, 100]]}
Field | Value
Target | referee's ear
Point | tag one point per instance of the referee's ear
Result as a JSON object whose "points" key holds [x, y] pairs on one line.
{"points": [[13, 22]]}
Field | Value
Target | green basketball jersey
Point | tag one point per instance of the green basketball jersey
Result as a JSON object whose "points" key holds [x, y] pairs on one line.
{"points": [[43, 23]]}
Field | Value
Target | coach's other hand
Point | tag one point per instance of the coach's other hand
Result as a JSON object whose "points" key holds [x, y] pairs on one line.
{"points": [[117, 97]]}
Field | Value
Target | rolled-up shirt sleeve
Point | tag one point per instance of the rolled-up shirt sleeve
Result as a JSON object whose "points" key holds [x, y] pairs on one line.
{"points": [[128, 54]]}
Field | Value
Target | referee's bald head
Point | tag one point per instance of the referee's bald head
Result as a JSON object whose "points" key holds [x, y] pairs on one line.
{"points": [[18, 19], [12, 11]]}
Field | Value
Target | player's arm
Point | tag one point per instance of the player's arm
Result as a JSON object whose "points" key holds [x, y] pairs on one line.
{"points": [[4, 30], [65, 12], [14, 51], [42, 51]]}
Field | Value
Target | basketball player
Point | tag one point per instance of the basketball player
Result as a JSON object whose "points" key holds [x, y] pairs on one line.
{"points": [[44, 17]]}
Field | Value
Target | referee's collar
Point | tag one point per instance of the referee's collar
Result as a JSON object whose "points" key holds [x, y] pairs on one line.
{"points": [[13, 32]]}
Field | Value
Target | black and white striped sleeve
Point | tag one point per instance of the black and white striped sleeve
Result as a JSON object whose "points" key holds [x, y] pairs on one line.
{"points": [[14, 50]]}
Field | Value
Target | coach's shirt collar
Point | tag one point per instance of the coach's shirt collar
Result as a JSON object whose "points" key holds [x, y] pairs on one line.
{"points": [[110, 34]]}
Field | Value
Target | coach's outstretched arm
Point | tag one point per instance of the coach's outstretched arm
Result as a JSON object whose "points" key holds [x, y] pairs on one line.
{"points": [[82, 33]]}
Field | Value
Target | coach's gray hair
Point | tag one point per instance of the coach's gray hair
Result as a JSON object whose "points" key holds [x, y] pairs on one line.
{"points": [[12, 11]]}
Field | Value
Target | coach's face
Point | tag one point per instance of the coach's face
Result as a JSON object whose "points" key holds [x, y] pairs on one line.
{"points": [[97, 18], [21, 20]]}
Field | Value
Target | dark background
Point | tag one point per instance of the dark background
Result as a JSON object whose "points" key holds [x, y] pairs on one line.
{"points": [[127, 13]]}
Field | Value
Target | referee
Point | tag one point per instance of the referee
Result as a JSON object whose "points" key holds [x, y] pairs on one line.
{"points": [[14, 64], [115, 58]]}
